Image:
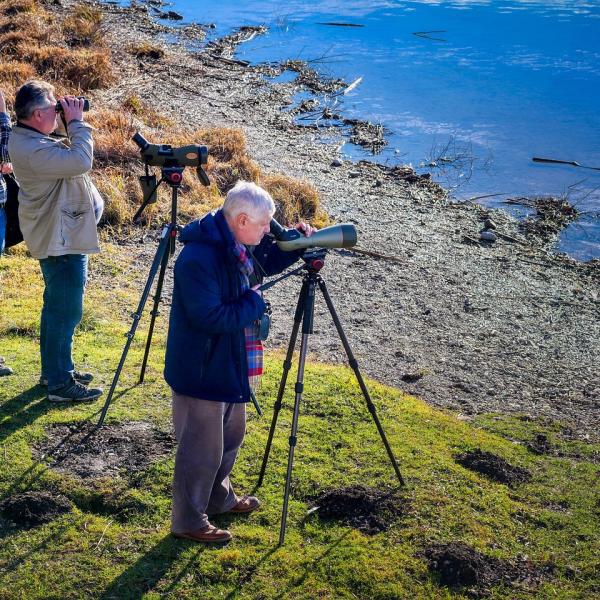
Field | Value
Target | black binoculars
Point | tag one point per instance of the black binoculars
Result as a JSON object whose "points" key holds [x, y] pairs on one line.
{"points": [[86, 105]]}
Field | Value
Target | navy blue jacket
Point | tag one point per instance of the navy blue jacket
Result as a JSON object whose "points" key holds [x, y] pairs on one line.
{"points": [[206, 353]]}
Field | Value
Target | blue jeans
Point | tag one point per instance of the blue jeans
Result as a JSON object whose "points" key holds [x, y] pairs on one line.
{"points": [[65, 278], [2, 226]]}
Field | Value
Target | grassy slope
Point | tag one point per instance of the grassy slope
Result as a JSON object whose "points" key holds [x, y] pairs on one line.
{"points": [[83, 554]]}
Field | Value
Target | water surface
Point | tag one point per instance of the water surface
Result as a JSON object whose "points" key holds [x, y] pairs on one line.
{"points": [[476, 87]]}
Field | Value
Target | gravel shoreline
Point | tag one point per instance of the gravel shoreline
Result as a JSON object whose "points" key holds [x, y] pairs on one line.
{"points": [[504, 327]]}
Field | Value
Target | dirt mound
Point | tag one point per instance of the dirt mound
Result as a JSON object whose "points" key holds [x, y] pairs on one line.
{"points": [[541, 445], [460, 566], [494, 467], [367, 509], [33, 508], [78, 449]]}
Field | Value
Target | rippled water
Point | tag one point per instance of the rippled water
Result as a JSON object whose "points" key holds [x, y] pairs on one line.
{"points": [[484, 86]]}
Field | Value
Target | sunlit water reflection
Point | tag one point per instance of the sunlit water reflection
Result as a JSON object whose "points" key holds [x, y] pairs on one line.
{"points": [[485, 86]]}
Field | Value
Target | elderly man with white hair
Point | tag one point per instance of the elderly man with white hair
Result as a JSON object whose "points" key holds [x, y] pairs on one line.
{"points": [[214, 356]]}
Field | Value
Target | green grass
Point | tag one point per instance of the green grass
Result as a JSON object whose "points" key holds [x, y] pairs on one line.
{"points": [[89, 553]]}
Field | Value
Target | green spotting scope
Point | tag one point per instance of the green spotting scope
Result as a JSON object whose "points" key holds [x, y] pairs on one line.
{"points": [[335, 236], [164, 155]]}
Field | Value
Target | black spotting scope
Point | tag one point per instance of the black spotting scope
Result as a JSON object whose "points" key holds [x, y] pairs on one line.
{"points": [[164, 155], [335, 236]]}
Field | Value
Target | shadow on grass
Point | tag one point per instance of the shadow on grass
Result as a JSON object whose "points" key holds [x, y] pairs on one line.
{"points": [[20, 557], [55, 455], [22, 410], [141, 577], [310, 567]]}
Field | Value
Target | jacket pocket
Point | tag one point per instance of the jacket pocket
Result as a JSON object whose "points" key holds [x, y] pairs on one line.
{"points": [[73, 219]]}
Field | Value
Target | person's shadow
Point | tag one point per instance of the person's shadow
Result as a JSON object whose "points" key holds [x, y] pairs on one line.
{"points": [[141, 577]]}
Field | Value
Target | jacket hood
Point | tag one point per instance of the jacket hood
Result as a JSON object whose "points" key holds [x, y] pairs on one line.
{"points": [[211, 229]]}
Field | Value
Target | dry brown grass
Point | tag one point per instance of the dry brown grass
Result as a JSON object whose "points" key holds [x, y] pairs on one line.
{"points": [[121, 192], [148, 115], [84, 69], [112, 139], [11, 8], [37, 26], [14, 73], [30, 34], [146, 50], [296, 200], [82, 28]]}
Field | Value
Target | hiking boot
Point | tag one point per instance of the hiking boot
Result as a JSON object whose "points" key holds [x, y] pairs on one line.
{"points": [[4, 370], [74, 392], [209, 534], [85, 378], [245, 504]]}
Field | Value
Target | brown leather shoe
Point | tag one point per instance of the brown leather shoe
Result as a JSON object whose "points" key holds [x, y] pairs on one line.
{"points": [[209, 534], [246, 504]]}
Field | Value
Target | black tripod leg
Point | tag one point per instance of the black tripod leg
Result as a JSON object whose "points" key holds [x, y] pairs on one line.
{"points": [[161, 252], [157, 301], [306, 331], [287, 365], [354, 364]]}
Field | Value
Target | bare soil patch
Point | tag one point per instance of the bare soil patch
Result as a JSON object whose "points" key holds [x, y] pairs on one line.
{"points": [[30, 509], [369, 510], [493, 466], [460, 566], [81, 450]]}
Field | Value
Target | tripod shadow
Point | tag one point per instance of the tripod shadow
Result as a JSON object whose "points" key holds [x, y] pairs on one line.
{"points": [[141, 577], [22, 410], [249, 573], [310, 567]]}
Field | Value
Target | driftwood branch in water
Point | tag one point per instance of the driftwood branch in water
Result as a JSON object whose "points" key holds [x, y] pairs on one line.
{"points": [[425, 35], [556, 161], [333, 24]]}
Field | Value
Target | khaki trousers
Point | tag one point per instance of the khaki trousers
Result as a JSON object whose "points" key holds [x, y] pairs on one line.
{"points": [[209, 435]]}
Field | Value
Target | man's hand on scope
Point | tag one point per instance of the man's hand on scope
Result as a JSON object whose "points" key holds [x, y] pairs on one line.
{"points": [[72, 107], [305, 228]]}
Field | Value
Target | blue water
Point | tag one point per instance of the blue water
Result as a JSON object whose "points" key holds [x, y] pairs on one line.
{"points": [[498, 82]]}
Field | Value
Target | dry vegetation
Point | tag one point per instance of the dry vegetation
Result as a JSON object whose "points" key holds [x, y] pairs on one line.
{"points": [[68, 50]]}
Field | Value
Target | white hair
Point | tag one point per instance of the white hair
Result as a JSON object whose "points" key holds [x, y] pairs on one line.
{"points": [[247, 197]]}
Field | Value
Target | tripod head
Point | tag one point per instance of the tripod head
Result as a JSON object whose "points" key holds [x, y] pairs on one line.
{"points": [[314, 261]]}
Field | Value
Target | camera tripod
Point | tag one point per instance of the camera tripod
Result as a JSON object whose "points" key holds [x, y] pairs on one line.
{"points": [[172, 176], [305, 315]]}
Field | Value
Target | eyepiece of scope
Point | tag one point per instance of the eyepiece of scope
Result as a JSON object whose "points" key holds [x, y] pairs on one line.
{"points": [[141, 141]]}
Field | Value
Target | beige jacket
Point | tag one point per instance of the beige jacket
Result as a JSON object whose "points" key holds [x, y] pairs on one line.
{"points": [[57, 196]]}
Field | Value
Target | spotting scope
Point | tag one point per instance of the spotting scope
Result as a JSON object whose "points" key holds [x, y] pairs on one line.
{"points": [[335, 236], [164, 155]]}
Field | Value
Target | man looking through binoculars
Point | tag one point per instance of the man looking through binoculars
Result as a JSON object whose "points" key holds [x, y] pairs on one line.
{"points": [[214, 355], [59, 208]]}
